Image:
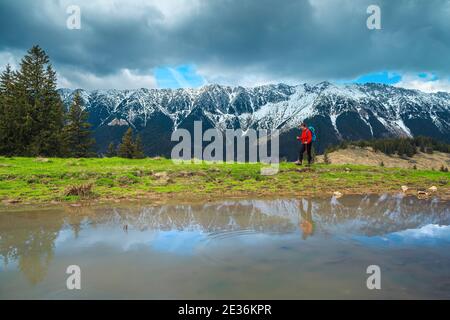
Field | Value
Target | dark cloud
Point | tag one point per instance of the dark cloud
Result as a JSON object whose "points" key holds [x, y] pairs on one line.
{"points": [[229, 40]]}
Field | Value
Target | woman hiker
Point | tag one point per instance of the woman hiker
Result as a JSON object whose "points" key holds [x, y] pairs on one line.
{"points": [[306, 138]]}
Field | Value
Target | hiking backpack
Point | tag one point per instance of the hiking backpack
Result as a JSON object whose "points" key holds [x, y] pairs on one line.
{"points": [[313, 132]]}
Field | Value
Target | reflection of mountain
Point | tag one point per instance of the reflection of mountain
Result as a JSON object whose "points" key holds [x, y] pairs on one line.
{"points": [[376, 216], [30, 239], [369, 215]]}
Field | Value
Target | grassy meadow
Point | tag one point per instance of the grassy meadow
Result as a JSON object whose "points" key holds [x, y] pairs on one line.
{"points": [[42, 180]]}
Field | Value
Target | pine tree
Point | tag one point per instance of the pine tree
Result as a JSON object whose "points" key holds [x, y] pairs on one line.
{"points": [[37, 95], [77, 138], [130, 148], [14, 118], [6, 105], [112, 150], [139, 151], [127, 148]]}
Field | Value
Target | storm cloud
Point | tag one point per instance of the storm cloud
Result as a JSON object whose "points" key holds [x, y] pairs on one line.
{"points": [[247, 42]]}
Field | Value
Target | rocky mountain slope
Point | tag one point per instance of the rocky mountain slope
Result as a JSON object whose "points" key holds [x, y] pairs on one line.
{"points": [[354, 111]]}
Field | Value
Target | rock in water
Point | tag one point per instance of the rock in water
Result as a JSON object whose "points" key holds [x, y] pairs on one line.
{"points": [[337, 194], [422, 194]]}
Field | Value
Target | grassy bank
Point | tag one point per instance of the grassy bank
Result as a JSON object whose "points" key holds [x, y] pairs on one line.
{"points": [[30, 180]]}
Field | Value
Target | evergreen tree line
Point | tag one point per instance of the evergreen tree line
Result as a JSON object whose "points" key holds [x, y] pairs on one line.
{"points": [[401, 146], [34, 122]]}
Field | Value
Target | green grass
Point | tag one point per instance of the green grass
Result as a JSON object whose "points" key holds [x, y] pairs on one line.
{"points": [[45, 180]]}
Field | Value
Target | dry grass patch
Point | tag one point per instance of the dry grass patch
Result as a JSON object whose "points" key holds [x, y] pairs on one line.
{"points": [[82, 191]]}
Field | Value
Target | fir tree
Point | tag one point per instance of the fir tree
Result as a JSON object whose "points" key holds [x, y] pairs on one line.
{"points": [[37, 95], [130, 148], [127, 148], [15, 122], [112, 150], [76, 134], [6, 105]]}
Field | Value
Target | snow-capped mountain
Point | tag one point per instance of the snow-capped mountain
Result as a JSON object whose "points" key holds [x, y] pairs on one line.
{"points": [[352, 111]]}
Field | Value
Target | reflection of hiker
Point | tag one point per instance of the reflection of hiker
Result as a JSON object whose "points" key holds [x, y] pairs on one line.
{"points": [[306, 138], [307, 223]]}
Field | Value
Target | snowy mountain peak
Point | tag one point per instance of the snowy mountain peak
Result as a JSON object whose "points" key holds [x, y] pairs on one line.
{"points": [[343, 111]]}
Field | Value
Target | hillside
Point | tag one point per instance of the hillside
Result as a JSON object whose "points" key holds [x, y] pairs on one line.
{"points": [[367, 156]]}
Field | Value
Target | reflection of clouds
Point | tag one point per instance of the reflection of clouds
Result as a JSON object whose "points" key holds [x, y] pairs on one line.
{"points": [[6, 265], [427, 232], [430, 234], [29, 240], [182, 243], [174, 241], [107, 235]]}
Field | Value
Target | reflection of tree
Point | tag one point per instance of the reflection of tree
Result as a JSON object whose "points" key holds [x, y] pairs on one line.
{"points": [[36, 255], [29, 241]]}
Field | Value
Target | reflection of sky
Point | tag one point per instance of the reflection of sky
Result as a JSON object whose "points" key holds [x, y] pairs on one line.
{"points": [[12, 264], [430, 234], [187, 242], [173, 241], [179, 242], [264, 223]]}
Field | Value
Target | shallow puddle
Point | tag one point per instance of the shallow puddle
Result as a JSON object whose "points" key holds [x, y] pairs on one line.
{"points": [[245, 249]]}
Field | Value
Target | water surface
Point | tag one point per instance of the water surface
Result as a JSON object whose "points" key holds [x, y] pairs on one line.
{"points": [[246, 249]]}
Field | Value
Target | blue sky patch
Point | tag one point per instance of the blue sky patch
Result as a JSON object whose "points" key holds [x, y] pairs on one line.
{"points": [[385, 77], [183, 76]]}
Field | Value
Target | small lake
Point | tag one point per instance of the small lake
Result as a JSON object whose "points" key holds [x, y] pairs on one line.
{"points": [[236, 249]]}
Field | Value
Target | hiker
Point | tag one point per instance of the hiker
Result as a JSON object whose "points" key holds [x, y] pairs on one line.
{"points": [[306, 138]]}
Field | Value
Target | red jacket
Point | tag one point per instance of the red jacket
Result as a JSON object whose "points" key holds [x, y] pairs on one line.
{"points": [[306, 136]]}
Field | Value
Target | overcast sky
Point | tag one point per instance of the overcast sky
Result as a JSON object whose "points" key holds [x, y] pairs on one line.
{"points": [[189, 43]]}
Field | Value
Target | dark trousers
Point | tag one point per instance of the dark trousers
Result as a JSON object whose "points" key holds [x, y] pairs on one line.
{"points": [[307, 148]]}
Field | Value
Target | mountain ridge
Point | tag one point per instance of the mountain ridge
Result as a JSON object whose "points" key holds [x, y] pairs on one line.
{"points": [[338, 111]]}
